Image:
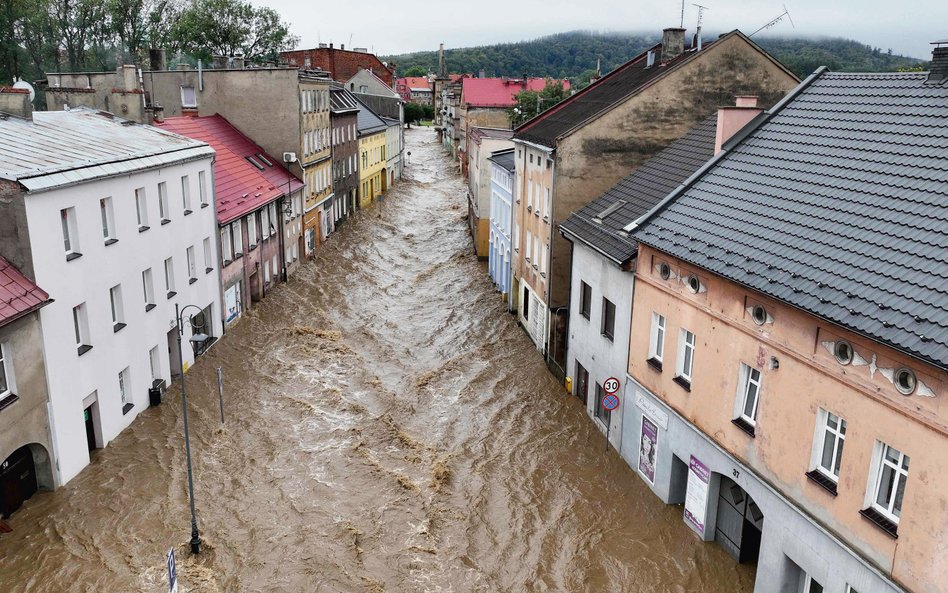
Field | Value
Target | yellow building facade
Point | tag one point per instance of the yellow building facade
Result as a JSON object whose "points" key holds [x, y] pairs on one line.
{"points": [[315, 156], [371, 167]]}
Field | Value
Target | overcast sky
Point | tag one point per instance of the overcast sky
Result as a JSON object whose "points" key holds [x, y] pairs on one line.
{"points": [[394, 27]]}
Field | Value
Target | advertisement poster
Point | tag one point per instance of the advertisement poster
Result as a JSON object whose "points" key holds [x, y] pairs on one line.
{"points": [[647, 446], [696, 499], [232, 302]]}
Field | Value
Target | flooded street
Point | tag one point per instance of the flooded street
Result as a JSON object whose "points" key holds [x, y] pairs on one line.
{"points": [[389, 428]]}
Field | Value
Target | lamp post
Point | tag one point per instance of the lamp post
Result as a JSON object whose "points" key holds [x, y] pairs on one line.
{"points": [[196, 338]]}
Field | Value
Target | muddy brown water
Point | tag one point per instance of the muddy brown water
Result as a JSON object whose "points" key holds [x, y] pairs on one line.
{"points": [[389, 428]]}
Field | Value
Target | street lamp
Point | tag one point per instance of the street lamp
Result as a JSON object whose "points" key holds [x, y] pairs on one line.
{"points": [[198, 339]]}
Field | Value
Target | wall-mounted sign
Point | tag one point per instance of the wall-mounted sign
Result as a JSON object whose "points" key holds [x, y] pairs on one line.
{"points": [[696, 498]]}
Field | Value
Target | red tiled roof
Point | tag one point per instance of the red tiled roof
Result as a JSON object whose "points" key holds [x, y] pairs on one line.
{"points": [[499, 92], [240, 187], [18, 294], [416, 82]]}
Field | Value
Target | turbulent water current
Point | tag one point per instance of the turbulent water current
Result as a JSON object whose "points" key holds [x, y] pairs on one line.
{"points": [[389, 428]]}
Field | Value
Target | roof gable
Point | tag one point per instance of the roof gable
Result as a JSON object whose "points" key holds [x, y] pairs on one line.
{"points": [[240, 185], [837, 204], [640, 192]]}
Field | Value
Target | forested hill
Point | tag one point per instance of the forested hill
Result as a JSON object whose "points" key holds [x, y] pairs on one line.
{"points": [[573, 55]]}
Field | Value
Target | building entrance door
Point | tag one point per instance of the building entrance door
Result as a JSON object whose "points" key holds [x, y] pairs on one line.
{"points": [[739, 522], [174, 359], [90, 428], [17, 480]]}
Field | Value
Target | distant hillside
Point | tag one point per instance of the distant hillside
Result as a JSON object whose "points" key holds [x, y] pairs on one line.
{"points": [[573, 55]]}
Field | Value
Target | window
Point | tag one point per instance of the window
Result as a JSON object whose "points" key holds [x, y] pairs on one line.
{"points": [[6, 374], [202, 188], [154, 362], [608, 318], [828, 446], [70, 233], [227, 252], [80, 322], [549, 205], [118, 314], [207, 256], [192, 271], [266, 272], [188, 97], [149, 289], [529, 245], [163, 211], [536, 250], [265, 222], [169, 277], [598, 410], [585, 299], [890, 478], [748, 397], [810, 585], [526, 303], [544, 256], [125, 391], [252, 230], [186, 194], [657, 339], [237, 234], [582, 382], [108, 221], [141, 209], [686, 356]]}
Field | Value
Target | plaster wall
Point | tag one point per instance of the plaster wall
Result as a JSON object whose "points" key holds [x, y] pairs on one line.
{"points": [[501, 213], [26, 421], [73, 378], [371, 167], [601, 357], [805, 377], [534, 178]]}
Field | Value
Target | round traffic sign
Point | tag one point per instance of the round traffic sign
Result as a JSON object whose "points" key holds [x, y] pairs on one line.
{"points": [[610, 402], [610, 385]]}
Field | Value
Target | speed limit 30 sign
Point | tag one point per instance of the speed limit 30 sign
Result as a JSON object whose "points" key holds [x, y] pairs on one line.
{"points": [[611, 385]]}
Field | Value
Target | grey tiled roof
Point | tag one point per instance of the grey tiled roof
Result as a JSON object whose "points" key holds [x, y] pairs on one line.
{"points": [[639, 192], [504, 158], [368, 122], [837, 205]]}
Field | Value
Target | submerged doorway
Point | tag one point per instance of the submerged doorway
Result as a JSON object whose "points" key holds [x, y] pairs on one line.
{"points": [[739, 524]]}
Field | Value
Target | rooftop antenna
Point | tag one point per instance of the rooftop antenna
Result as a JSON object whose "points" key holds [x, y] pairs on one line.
{"points": [[774, 21], [701, 10], [682, 23]]}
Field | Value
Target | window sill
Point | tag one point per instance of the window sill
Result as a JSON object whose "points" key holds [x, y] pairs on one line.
{"points": [[110, 242], [608, 337], [655, 364], [546, 219], [880, 521], [186, 212], [238, 256], [165, 221], [685, 383], [73, 255], [822, 481], [143, 228], [746, 426], [149, 307], [83, 349], [227, 262], [127, 408], [9, 400], [208, 270], [205, 205], [252, 247], [192, 280], [584, 315], [116, 328], [171, 294]]}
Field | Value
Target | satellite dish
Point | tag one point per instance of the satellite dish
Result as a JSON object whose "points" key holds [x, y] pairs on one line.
{"points": [[22, 84]]}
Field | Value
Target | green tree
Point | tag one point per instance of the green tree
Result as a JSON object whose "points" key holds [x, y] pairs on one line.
{"points": [[232, 27], [415, 71], [413, 113], [530, 104]]}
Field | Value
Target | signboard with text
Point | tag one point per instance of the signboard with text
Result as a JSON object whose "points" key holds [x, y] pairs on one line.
{"points": [[696, 498]]}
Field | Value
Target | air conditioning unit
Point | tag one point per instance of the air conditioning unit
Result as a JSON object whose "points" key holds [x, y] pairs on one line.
{"points": [[289, 157]]}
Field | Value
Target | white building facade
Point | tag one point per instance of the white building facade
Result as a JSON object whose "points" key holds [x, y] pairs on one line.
{"points": [[501, 219], [117, 245]]}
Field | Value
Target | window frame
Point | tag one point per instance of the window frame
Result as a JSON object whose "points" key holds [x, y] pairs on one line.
{"points": [[585, 300], [70, 230], [148, 288], [118, 307], [599, 412], [900, 477], [202, 188], [108, 220], [7, 377], [169, 277], [608, 325], [80, 319], [745, 382], [192, 266], [185, 104], [683, 346], [823, 430], [656, 341], [164, 211], [141, 208], [186, 194]]}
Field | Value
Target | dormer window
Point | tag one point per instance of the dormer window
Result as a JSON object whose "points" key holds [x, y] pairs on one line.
{"points": [[905, 381], [843, 351]]}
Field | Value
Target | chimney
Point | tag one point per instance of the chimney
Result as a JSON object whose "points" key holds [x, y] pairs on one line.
{"points": [[16, 102], [732, 119], [156, 59], [482, 74], [939, 69], [342, 46], [673, 43], [126, 78]]}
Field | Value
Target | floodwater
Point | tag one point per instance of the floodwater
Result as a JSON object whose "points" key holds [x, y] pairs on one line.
{"points": [[389, 428]]}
